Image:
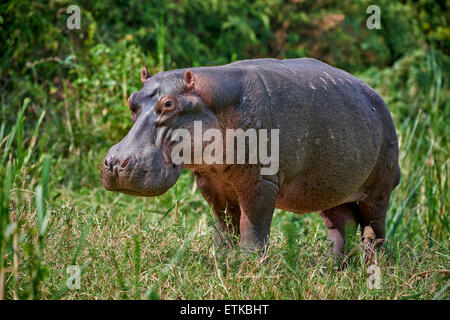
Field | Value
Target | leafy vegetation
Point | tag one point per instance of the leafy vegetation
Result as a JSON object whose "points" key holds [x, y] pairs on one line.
{"points": [[63, 104]]}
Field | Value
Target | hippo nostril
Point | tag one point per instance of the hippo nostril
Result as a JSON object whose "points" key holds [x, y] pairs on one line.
{"points": [[109, 163], [126, 162]]}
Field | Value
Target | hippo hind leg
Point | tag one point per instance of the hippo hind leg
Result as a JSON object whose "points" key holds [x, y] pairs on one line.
{"points": [[374, 206], [341, 222]]}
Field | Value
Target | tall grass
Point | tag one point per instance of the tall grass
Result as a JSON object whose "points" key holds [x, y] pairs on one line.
{"points": [[12, 170], [161, 41], [419, 206]]}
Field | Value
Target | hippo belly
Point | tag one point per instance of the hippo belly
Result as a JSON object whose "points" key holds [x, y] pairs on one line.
{"points": [[331, 169]]}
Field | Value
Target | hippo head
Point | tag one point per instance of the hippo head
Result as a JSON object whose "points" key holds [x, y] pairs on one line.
{"points": [[141, 163]]}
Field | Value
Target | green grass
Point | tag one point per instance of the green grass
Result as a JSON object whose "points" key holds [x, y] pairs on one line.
{"points": [[128, 252]]}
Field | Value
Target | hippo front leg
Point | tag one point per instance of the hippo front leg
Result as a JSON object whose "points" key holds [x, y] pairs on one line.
{"points": [[226, 226], [257, 199], [224, 203]]}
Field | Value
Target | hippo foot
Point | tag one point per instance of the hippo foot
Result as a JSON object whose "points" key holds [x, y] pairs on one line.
{"points": [[253, 250], [224, 243], [369, 245]]}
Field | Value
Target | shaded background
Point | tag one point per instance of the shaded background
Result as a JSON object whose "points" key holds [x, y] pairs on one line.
{"points": [[96, 67]]}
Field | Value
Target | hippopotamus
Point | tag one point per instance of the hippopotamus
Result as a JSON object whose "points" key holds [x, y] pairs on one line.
{"points": [[337, 147]]}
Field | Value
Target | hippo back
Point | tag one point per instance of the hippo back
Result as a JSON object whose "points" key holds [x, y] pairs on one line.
{"points": [[332, 125]]}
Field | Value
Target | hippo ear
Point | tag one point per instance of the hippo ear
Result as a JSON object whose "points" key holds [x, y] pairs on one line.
{"points": [[189, 79], [144, 74]]}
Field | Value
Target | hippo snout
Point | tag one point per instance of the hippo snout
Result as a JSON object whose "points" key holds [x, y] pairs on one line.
{"points": [[143, 173], [114, 164], [117, 162]]}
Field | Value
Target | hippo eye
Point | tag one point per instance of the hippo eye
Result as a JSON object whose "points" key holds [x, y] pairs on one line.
{"points": [[169, 104], [165, 104]]}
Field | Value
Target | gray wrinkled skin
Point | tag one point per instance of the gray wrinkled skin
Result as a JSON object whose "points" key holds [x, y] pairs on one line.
{"points": [[338, 145]]}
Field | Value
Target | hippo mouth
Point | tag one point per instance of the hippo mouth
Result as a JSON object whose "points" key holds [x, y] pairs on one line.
{"points": [[150, 174]]}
